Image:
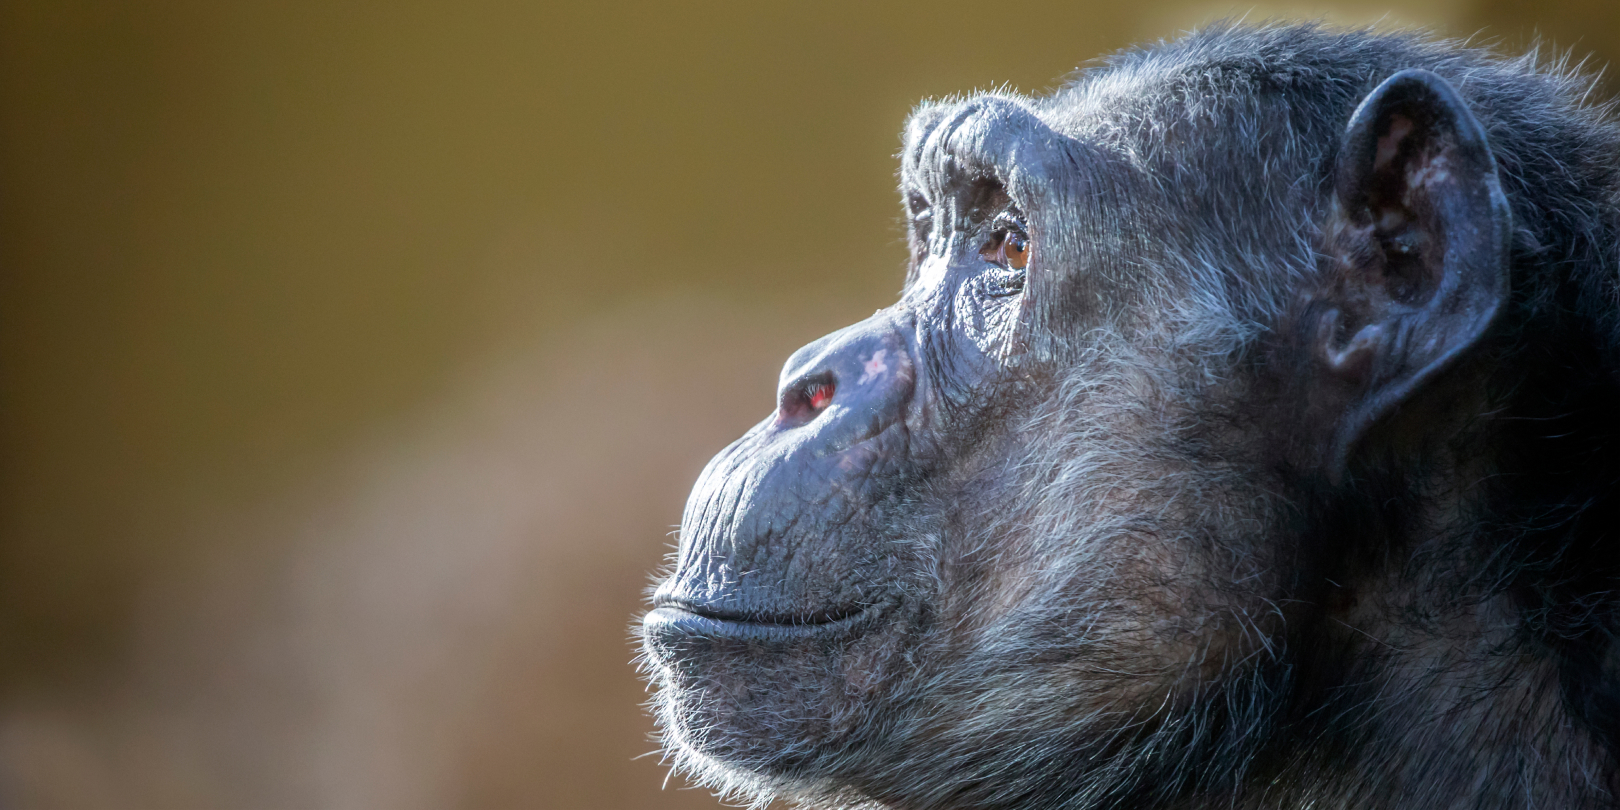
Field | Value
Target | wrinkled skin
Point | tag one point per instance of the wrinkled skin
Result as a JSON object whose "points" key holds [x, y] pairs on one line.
{"points": [[1170, 447]]}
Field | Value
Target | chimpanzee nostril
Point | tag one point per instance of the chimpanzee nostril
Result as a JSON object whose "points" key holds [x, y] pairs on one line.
{"points": [[860, 377], [819, 394], [807, 398]]}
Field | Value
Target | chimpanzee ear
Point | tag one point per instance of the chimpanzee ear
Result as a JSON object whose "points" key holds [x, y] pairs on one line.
{"points": [[1418, 246]]}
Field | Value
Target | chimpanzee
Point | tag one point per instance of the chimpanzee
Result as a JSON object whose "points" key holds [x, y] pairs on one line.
{"points": [[1245, 436]]}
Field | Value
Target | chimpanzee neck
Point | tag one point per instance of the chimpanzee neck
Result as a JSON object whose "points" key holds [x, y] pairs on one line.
{"points": [[1466, 645]]}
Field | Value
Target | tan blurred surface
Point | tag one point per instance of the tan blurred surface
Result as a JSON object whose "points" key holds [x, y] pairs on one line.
{"points": [[355, 359]]}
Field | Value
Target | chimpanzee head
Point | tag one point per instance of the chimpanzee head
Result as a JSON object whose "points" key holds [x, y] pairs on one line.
{"points": [[1194, 358]]}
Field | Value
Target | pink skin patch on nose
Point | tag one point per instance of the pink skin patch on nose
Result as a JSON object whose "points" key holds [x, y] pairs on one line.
{"points": [[873, 367]]}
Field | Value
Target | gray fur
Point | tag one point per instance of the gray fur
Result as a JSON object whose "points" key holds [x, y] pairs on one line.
{"points": [[1111, 588]]}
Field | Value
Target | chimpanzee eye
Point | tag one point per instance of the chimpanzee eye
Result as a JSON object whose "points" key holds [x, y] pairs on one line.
{"points": [[1015, 251], [1008, 246]]}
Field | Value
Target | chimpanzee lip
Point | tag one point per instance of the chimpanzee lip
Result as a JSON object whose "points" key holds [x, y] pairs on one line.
{"points": [[685, 619]]}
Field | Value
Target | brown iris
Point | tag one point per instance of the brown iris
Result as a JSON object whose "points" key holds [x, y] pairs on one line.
{"points": [[1015, 247], [1008, 249]]}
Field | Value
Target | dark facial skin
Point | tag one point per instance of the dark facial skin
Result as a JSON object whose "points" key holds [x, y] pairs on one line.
{"points": [[1159, 486], [809, 550]]}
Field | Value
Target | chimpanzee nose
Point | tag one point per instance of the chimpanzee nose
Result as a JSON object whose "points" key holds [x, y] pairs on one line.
{"points": [[857, 379]]}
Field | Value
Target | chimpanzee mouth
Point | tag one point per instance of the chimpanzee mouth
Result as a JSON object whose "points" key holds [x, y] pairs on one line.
{"points": [[673, 619]]}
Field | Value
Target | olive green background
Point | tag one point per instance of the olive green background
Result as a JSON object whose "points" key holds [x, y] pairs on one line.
{"points": [[355, 358]]}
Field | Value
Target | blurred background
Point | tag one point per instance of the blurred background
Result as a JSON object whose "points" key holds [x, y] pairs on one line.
{"points": [[356, 358]]}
